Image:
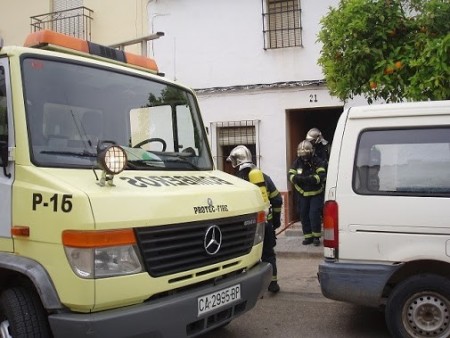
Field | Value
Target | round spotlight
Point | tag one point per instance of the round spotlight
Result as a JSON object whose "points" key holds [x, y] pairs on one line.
{"points": [[113, 159]]}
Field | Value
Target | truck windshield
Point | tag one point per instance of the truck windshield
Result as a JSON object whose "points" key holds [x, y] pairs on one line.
{"points": [[72, 107]]}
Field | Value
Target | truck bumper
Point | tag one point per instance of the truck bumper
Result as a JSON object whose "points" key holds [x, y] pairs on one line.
{"points": [[355, 283], [172, 316]]}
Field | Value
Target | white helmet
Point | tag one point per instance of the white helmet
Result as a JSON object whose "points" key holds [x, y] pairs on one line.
{"points": [[305, 149], [239, 155], [314, 136]]}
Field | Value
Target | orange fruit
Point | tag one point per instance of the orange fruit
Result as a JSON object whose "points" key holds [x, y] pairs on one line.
{"points": [[388, 70], [373, 85], [392, 32]]}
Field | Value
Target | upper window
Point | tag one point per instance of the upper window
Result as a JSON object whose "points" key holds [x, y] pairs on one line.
{"points": [[403, 162], [67, 17], [282, 24]]}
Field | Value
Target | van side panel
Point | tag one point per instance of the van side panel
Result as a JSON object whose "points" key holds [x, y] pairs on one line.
{"points": [[373, 226], [389, 180], [335, 155]]}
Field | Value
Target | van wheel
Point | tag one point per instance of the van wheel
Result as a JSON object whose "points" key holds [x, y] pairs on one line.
{"points": [[22, 314], [420, 307]]}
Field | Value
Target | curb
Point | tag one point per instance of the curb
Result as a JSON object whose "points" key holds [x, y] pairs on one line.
{"points": [[291, 246], [286, 254], [293, 254]]}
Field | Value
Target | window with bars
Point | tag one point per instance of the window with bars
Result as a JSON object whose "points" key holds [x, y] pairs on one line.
{"points": [[69, 17], [282, 23], [229, 134]]}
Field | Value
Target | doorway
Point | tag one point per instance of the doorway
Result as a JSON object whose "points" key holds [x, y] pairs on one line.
{"points": [[298, 122]]}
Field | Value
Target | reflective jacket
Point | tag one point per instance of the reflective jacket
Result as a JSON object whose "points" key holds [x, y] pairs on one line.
{"points": [[322, 151], [275, 199], [308, 177]]}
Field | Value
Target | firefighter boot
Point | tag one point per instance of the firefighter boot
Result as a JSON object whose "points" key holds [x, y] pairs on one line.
{"points": [[273, 287]]}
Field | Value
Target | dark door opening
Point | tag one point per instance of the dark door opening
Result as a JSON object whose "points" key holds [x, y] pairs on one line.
{"points": [[299, 121]]}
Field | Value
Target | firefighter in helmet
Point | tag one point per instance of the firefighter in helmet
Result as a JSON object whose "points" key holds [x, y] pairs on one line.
{"points": [[308, 175], [321, 146], [241, 158]]}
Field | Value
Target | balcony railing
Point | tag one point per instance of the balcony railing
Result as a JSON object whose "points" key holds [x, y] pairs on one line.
{"points": [[74, 22]]}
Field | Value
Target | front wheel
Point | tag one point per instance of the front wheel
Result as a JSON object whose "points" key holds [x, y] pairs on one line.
{"points": [[420, 307], [22, 314]]}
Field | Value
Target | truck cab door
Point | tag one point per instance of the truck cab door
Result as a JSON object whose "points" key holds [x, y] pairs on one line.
{"points": [[7, 166]]}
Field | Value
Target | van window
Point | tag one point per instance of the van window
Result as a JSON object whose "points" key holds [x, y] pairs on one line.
{"points": [[403, 162], [3, 108]]}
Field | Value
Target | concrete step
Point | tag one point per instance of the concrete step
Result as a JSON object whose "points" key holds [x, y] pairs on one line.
{"points": [[294, 230]]}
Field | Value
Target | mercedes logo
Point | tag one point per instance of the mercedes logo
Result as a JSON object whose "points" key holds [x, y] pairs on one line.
{"points": [[213, 240]]}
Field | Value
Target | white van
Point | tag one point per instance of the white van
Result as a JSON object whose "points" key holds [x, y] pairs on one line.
{"points": [[387, 215]]}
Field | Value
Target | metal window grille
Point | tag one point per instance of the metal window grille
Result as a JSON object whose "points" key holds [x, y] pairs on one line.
{"points": [[282, 23], [229, 134]]}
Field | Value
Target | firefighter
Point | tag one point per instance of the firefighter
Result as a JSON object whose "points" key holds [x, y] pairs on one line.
{"points": [[308, 175], [241, 157], [321, 146]]}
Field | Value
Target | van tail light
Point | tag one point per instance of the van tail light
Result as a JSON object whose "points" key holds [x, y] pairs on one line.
{"points": [[331, 226]]}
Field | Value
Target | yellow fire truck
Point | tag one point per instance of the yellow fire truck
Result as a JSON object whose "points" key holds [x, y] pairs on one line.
{"points": [[113, 220]]}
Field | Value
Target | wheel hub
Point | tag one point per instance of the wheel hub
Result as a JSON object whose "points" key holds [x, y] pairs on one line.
{"points": [[427, 315], [4, 329]]}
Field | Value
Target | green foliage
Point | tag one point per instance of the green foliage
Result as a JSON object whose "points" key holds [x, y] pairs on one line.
{"points": [[169, 95], [387, 49]]}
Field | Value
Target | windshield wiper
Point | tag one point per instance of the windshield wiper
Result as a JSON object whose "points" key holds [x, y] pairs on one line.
{"points": [[83, 153]]}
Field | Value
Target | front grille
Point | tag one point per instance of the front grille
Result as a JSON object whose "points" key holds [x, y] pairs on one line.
{"points": [[170, 249]]}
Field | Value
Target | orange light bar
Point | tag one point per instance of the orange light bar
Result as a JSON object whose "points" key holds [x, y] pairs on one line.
{"points": [[98, 239], [46, 37], [20, 231], [141, 61]]}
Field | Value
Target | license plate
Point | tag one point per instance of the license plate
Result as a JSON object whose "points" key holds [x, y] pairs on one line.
{"points": [[218, 299]]}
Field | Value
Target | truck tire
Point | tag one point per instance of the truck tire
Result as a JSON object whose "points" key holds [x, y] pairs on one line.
{"points": [[420, 307], [22, 314]]}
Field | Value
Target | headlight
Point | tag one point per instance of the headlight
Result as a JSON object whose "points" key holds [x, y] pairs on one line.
{"points": [[260, 228], [104, 262], [112, 159], [100, 254]]}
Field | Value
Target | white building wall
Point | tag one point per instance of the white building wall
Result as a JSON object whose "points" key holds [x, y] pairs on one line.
{"points": [[268, 106], [220, 44]]}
